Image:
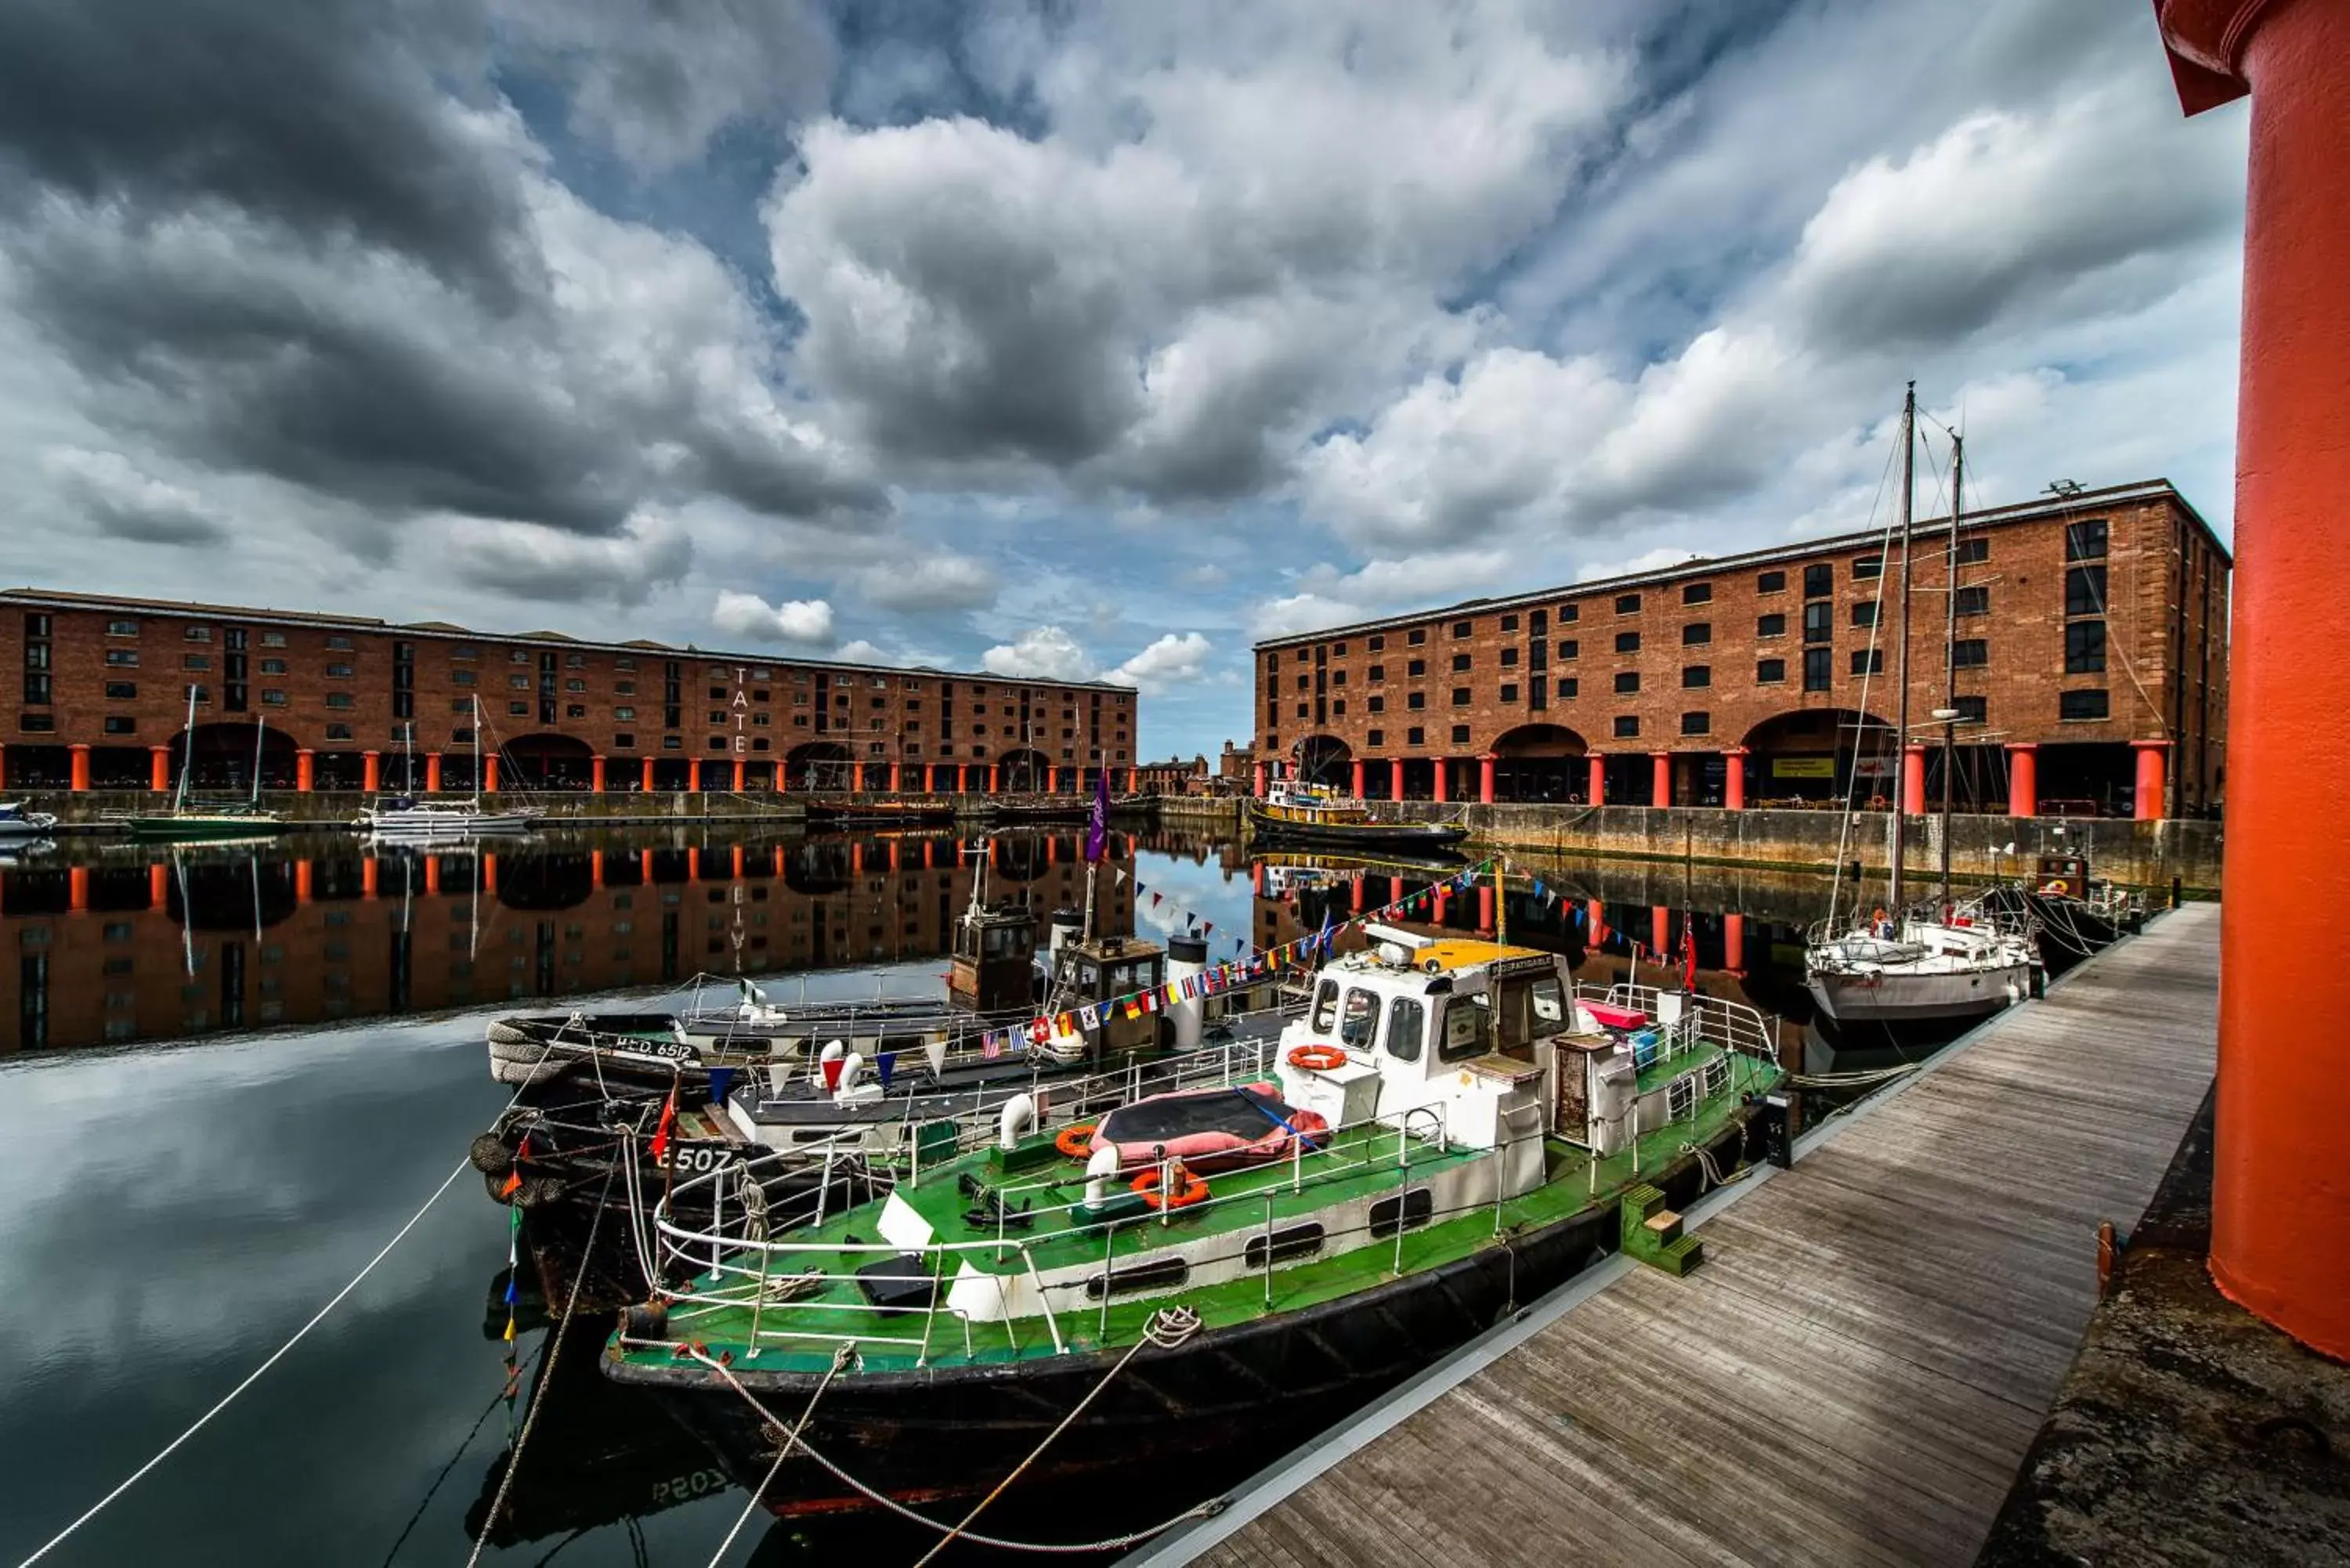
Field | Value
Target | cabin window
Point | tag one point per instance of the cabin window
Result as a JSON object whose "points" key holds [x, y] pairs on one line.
{"points": [[1150, 1274], [1468, 1024], [1407, 1023], [1326, 1007], [1548, 1001], [1404, 1211], [1003, 941], [1360, 1021], [1290, 1241]]}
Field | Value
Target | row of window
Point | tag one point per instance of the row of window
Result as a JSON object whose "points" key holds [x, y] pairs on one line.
{"points": [[2093, 703]]}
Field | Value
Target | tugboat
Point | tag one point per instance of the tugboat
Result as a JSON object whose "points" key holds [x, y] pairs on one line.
{"points": [[1452, 1130], [1318, 817]]}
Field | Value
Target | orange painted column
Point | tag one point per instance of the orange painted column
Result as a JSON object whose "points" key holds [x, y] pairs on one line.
{"points": [[1913, 780], [857, 778], [303, 877], [159, 768], [596, 773], [648, 776], [1485, 779], [80, 761], [1733, 944], [1733, 779], [1661, 778], [159, 886], [371, 771], [2150, 795], [1359, 778], [1259, 781], [2023, 778], [1134, 781], [1598, 780], [994, 775], [1443, 767], [896, 775], [432, 773], [2281, 1189], [306, 770], [489, 773]]}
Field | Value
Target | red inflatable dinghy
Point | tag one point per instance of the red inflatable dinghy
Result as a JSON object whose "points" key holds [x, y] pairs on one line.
{"points": [[1210, 1129]]}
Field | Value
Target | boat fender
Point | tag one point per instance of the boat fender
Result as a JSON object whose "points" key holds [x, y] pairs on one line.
{"points": [[491, 1154], [1019, 1116], [646, 1320], [1100, 1171]]}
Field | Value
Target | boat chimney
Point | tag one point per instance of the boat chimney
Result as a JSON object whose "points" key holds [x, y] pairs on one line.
{"points": [[1065, 924], [1187, 958], [1018, 1118]]}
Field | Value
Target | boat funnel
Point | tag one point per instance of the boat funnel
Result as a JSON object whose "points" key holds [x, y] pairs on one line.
{"points": [[1018, 1117], [1066, 924], [1101, 1169], [1187, 959]]}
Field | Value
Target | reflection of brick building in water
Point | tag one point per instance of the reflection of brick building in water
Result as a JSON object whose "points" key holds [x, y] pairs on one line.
{"points": [[100, 953]]}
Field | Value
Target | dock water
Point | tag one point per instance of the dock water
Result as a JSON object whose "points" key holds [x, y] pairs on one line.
{"points": [[1855, 1372]]}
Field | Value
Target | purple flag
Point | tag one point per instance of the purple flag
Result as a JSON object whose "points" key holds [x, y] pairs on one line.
{"points": [[1097, 825]]}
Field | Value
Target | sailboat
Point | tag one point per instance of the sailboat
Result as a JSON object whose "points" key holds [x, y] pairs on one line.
{"points": [[1949, 960], [401, 817], [185, 822]]}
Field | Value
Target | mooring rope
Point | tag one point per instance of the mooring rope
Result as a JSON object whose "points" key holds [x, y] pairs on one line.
{"points": [[479, 1422], [841, 1359], [168, 1449], [1180, 1323]]}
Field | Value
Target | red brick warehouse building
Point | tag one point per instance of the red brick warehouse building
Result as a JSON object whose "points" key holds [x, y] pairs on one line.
{"points": [[2091, 676], [102, 704]]}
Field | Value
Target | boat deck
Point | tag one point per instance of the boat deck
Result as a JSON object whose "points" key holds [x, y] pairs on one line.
{"points": [[1854, 1374]]}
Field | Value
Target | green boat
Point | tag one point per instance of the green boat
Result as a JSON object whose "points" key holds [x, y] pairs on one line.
{"points": [[188, 822], [1455, 1129]]}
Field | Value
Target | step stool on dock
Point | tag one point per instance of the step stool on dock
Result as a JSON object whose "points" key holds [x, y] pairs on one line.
{"points": [[1652, 1233]]}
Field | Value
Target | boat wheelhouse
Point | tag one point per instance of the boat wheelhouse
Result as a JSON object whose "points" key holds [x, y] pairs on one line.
{"points": [[1317, 815], [1448, 1133]]}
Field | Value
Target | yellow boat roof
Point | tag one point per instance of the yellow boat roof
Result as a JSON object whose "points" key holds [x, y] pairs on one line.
{"points": [[1465, 953]]}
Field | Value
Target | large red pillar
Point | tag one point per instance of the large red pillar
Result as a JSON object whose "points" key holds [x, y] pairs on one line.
{"points": [[1259, 781], [596, 773], [1660, 780], [432, 773], [895, 776], [371, 771], [77, 759], [994, 777], [1443, 779], [649, 776], [1361, 777], [2023, 778], [489, 774], [1485, 779], [1395, 778], [1733, 780], [1598, 779], [2150, 795], [2281, 1189], [306, 769], [159, 768], [1913, 780]]}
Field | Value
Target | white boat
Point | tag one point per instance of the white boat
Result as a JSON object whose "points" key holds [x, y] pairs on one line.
{"points": [[17, 824], [404, 820]]}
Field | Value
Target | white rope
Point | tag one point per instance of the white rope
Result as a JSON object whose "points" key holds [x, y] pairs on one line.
{"points": [[840, 1359], [168, 1449]]}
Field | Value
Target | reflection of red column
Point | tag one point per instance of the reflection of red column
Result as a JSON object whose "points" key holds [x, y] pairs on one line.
{"points": [[1259, 781], [79, 763], [1660, 929], [371, 771], [1356, 896], [2280, 1204], [1913, 780], [1395, 779], [1733, 779], [1359, 778], [1595, 919], [1485, 779], [596, 773], [368, 875], [432, 772], [1485, 909], [489, 773], [1598, 780], [489, 873], [78, 888], [895, 857], [1661, 778], [306, 770], [738, 863], [2149, 794], [1052, 850], [1256, 878], [433, 872], [1444, 766], [1733, 944], [301, 881], [159, 886], [856, 858], [2022, 779], [159, 768], [1436, 905]]}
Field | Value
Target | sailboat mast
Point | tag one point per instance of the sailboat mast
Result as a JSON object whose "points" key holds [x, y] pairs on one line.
{"points": [[187, 755], [260, 728], [477, 752], [1950, 645], [1901, 655]]}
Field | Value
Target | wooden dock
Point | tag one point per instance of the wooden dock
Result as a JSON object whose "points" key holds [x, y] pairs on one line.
{"points": [[1855, 1372]]}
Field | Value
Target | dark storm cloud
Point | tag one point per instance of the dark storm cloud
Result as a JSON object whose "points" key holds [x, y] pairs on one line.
{"points": [[323, 114]]}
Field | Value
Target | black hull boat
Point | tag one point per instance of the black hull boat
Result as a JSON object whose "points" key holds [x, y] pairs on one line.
{"points": [[828, 815], [943, 1435], [1360, 837]]}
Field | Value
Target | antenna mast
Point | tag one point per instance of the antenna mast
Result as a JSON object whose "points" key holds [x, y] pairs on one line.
{"points": [[1901, 658]]}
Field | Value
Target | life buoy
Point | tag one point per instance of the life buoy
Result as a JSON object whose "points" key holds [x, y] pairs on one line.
{"points": [[1076, 1141], [1317, 1058], [1185, 1189]]}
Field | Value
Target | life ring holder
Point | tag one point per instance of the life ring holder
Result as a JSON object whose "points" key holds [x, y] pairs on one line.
{"points": [[1077, 1140], [1186, 1187], [1317, 1058]]}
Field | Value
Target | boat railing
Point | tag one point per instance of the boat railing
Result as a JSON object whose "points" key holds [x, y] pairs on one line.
{"points": [[1700, 1019], [737, 1268]]}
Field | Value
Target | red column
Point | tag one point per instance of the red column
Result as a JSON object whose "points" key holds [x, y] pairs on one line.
{"points": [[2281, 1201], [1661, 779], [1913, 780], [371, 771], [306, 769], [2023, 779], [1134, 781], [1259, 781], [2150, 795], [1443, 783], [432, 772], [596, 773], [1485, 779], [79, 763], [857, 778], [159, 768], [1395, 777], [736, 770], [1733, 944], [489, 772], [1733, 781], [648, 776], [1359, 774], [895, 776], [994, 777], [1598, 779]]}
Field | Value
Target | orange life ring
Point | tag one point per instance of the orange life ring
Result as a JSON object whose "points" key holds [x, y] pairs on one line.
{"points": [[1188, 1189], [1317, 1058], [1077, 1140]]}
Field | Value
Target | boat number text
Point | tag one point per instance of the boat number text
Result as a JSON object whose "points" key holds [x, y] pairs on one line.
{"points": [[687, 1487], [698, 1158]]}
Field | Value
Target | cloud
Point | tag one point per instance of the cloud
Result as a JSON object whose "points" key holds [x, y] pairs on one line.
{"points": [[860, 651], [530, 561], [1172, 660], [1655, 560], [748, 616], [1329, 596], [122, 503], [1046, 652], [935, 579]]}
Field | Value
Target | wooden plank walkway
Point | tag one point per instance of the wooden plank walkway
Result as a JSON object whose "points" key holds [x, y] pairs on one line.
{"points": [[1854, 1375]]}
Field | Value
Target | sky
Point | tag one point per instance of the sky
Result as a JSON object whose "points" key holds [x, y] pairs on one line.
{"points": [[1067, 340]]}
